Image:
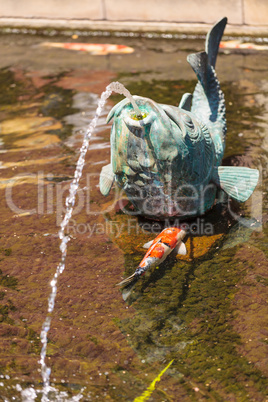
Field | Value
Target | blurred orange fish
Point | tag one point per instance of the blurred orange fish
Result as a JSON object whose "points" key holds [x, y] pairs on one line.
{"points": [[97, 49], [237, 44]]}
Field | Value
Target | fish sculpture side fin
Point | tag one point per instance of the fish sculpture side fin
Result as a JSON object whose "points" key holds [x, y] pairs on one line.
{"points": [[238, 182], [186, 101], [106, 179]]}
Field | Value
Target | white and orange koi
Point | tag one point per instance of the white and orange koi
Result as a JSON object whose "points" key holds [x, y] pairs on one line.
{"points": [[159, 248], [238, 44], [97, 49]]}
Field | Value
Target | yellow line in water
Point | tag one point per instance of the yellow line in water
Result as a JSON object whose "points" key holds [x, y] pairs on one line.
{"points": [[146, 394]]}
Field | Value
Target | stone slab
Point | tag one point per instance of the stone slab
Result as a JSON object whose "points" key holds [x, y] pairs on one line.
{"points": [[256, 12], [52, 9], [10, 24], [205, 11]]}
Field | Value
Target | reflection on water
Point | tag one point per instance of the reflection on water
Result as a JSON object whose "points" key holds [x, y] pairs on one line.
{"points": [[205, 311]]}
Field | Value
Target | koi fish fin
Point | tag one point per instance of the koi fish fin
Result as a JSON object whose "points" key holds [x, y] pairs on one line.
{"points": [[147, 245], [238, 182], [126, 293], [186, 101], [128, 280], [106, 179], [181, 249]]}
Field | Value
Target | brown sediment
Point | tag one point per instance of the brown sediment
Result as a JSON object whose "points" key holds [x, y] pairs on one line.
{"points": [[250, 304]]}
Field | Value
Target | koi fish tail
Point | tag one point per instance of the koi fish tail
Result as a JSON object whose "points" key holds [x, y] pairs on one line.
{"points": [[130, 279]]}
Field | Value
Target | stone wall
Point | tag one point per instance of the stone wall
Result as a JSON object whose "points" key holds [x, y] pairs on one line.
{"points": [[142, 12]]}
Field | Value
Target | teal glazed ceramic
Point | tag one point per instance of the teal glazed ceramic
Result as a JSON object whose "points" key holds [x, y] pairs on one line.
{"points": [[168, 161]]}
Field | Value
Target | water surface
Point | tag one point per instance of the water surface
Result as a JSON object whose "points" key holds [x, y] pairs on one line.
{"points": [[205, 311]]}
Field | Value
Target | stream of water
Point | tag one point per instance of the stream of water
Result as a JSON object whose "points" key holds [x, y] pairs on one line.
{"points": [[69, 203]]}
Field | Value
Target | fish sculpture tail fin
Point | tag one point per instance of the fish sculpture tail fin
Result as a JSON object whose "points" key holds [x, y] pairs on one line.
{"points": [[200, 62], [208, 99], [213, 41]]}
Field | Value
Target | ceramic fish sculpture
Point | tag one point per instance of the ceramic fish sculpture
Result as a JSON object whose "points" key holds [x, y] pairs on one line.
{"points": [[168, 161], [168, 240]]}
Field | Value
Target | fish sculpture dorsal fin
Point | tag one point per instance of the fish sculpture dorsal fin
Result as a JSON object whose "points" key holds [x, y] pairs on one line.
{"points": [[186, 101]]}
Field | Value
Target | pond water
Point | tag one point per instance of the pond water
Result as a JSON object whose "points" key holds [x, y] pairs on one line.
{"points": [[203, 316]]}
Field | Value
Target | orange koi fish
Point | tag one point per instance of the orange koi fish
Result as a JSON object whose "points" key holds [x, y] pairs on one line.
{"points": [[97, 49], [159, 248], [238, 44]]}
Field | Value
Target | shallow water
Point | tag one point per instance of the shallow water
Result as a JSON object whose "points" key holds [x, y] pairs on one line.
{"points": [[206, 311]]}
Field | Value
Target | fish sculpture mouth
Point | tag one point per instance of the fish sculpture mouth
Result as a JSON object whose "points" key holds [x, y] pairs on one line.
{"points": [[135, 124], [138, 126]]}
